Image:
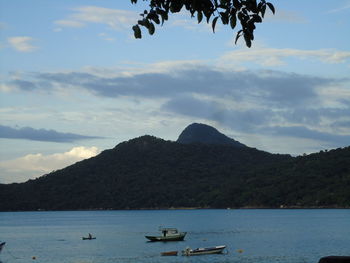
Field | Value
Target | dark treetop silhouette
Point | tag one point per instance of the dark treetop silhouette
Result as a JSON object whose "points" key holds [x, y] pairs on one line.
{"points": [[246, 12]]}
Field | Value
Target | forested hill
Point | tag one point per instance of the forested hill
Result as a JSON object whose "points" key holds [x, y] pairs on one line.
{"points": [[148, 172], [202, 133]]}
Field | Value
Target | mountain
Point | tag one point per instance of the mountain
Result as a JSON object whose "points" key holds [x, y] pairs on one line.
{"points": [[148, 172], [202, 133]]}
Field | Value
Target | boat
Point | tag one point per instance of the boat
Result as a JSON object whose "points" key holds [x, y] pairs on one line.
{"points": [[89, 237], [169, 253], [2, 244], [168, 234], [335, 259], [203, 251]]}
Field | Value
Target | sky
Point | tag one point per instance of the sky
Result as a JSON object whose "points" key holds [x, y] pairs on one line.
{"points": [[75, 81]]}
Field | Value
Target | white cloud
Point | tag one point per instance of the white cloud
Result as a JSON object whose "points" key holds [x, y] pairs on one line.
{"points": [[276, 57], [39, 164], [69, 23], [106, 37], [7, 88], [113, 18], [244, 101], [22, 43], [339, 9], [284, 16], [57, 29], [185, 21]]}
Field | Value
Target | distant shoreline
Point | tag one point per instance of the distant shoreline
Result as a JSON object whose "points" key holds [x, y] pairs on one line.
{"points": [[188, 208]]}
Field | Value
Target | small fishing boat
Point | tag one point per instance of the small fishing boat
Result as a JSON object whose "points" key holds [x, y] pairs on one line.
{"points": [[203, 251], [88, 238], [169, 253], [2, 244], [168, 234]]}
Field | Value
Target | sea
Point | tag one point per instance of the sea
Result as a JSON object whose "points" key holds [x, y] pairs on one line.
{"points": [[251, 235]]}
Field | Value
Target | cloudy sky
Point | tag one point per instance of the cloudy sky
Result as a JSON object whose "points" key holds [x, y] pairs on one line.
{"points": [[74, 81]]}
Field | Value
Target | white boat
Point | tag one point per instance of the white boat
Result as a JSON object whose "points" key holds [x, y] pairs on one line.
{"points": [[203, 251], [168, 234]]}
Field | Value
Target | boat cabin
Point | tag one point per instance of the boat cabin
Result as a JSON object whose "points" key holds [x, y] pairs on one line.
{"points": [[169, 232]]}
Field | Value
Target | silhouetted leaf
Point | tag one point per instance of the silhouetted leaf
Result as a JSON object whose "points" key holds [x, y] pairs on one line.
{"points": [[214, 23], [142, 22], [176, 6], [164, 16], [233, 21], [208, 15], [224, 18], [151, 28], [199, 16], [232, 12], [257, 18], [247, 38], [154, 17], [137, 31], [237, 4], [272, 8], [239, 33], [262, 10]]}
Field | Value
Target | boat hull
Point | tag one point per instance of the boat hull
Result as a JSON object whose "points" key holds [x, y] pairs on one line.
{"points": [[203, 251], [88, 238], [2, 245], [166, 238]]}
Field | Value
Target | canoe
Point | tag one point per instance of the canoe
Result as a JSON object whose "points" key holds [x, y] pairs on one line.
{"points": [[169, 253], [203, 251], [88, 238]]}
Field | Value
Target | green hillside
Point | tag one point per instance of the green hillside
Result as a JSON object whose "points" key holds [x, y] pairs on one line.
{"points": [[148, 172]]}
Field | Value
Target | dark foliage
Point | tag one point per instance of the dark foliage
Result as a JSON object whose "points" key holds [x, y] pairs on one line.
{"points": [[245, 12], [148, 172]]}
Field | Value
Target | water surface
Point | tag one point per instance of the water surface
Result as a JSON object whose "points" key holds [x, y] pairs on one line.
{"points": [[262, 236]]}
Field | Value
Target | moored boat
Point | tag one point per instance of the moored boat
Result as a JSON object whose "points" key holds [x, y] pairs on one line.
{"points": [[203, 251], [168, 234], [2, 244]]}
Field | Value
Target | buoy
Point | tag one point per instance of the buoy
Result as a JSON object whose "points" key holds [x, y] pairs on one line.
{"points": [[240, 250], [34, 258]]}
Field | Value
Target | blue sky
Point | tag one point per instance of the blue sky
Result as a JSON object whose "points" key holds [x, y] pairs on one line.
{"points": [[74, 81]]}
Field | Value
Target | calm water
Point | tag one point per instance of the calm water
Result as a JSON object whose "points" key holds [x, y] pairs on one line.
{"points": [[264, 236]]}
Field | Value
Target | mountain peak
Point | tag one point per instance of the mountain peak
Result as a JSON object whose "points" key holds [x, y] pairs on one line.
{"points": [[203, 133]]}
